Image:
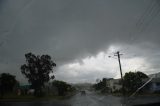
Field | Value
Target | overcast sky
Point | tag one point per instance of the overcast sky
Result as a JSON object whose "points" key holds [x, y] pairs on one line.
{"points": [[80, 35]]}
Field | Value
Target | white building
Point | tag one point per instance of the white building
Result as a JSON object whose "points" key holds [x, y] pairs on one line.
{"points": [[114, 84], [156, 75]]}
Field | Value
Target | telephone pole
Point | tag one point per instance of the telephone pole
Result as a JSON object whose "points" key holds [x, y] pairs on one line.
{"points": [[119, 61]]}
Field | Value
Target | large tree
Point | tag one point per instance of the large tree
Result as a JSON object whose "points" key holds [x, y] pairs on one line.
{"points": [[7, 83], [133, 80], [37, 69]]}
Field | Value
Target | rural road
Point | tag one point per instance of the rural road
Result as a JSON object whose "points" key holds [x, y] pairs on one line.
{"points": [[90, 99]]}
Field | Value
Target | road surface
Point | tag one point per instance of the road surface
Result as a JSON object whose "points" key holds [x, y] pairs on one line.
{"points": [[90, 99]]}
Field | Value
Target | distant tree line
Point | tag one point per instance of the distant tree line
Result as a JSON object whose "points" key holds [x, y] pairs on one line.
{"points": [[101, 84], [131, 82], [7, 83], [38, 70], [62, 87]]}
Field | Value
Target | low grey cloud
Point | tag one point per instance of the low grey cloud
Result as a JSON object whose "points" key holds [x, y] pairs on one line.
{"points": [[72, 30]]}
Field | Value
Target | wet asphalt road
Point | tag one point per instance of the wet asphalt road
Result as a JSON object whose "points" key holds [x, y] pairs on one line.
{"points": [[90, 99], [38, 103]]}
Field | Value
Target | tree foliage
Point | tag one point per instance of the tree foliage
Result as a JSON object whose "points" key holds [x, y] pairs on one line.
{"points": [[7, 83], [37, 70], [100, 84], [133, 80], [62, 87]]}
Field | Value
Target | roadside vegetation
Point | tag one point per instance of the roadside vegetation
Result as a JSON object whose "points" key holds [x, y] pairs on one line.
{"points": [[41, 84], [132, 81], [101, 86], [38, 70]]}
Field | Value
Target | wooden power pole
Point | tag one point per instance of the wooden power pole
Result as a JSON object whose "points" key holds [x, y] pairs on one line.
{"points": [[119, 61]]}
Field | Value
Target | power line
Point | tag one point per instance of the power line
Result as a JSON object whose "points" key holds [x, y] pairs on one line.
{"points": [[141, 19], [152, 15], [140, 22], [145, 20]]}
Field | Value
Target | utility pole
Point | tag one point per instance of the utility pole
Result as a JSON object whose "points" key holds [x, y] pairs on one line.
{"points": [[118, 55], [119, 61]]}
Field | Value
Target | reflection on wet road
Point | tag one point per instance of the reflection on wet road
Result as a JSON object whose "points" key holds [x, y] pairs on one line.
{"points": [[38, 103], [90, 99]]}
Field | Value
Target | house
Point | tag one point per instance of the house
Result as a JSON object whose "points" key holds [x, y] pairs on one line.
{"points": [[152, 86], [22, 89], [156, 75], [155, 84], [113, 84]]}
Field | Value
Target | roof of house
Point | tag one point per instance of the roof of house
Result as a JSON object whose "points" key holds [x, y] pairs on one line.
{"points": [[153, 80], [155, 75]]}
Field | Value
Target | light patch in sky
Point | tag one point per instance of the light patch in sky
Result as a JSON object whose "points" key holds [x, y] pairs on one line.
{"points": [[100, 66]]}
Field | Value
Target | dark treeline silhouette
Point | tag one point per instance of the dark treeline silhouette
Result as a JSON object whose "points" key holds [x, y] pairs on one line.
{"points": [[133, 80], [37, 70], [7, 83], [62, 87], [100, 85]]}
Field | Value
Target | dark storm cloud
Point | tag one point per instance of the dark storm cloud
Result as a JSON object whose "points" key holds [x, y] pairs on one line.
{"points": [[73, 29]]}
